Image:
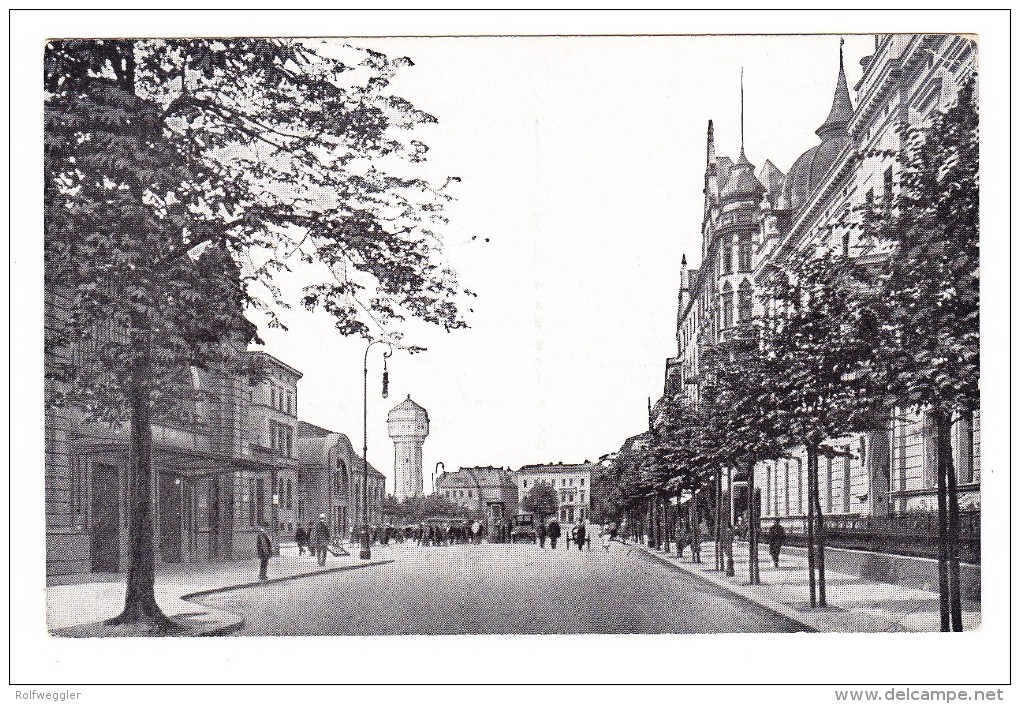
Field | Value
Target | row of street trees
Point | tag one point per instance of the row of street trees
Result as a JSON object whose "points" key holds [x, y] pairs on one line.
{"points": [[842, 343], [416, 509], [181, 176]]}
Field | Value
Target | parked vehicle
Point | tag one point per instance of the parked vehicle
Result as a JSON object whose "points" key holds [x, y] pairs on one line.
{"points": [[523, 528]]}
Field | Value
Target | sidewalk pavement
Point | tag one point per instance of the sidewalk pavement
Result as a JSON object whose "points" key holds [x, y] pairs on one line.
{"points": [[855, 605], [78, 605]]}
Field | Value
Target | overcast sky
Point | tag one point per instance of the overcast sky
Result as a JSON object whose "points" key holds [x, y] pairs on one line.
{"points": [[582, 162]]}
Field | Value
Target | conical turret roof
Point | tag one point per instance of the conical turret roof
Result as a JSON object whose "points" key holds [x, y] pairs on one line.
{"points": [[742, 182], [810, 169], [842, 109]]}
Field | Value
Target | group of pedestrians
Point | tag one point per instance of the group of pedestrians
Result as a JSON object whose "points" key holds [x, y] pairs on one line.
{"points": [[446, 533], [315, 541], [552, 532], [683, 537]]}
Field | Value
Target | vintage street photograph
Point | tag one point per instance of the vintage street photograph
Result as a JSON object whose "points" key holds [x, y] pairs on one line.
{"points": [[290, 392], [577, 347]]}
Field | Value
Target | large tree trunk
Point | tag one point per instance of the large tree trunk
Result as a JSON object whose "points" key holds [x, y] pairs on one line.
{"points": [[943, 535], [653, 524], [719, 557], [812, 585], [728, 506], [665, 523], [695, 529], [752, 528], [943, 428], [140, 605], [815, 498]]}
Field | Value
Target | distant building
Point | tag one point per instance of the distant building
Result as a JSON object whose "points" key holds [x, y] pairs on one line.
{"points": [[330, 481], [408, 425], [572, 483], [485, 491]]}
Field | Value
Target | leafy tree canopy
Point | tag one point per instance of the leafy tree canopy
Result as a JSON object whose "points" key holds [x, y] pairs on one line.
{"points": [[541, 500], [182, 175]]}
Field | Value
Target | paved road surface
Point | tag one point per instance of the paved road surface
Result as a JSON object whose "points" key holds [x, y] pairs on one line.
{"points": [[499, 589]]}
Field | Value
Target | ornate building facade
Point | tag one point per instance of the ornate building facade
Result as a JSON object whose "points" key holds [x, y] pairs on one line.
{"points": [[757, 224]]}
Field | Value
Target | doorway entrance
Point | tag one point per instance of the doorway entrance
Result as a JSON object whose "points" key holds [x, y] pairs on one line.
{"points": [[105, 518], [170, 518]]}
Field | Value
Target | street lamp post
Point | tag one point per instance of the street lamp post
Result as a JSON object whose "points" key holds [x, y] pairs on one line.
{"points": [[435, 473], [366, 542]]}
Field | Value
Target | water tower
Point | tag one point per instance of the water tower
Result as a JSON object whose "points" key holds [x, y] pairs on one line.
{"points": [[408, 426]]}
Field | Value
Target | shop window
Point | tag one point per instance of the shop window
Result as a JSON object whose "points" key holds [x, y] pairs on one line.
{"points": [[250, 498], [260, 500]]}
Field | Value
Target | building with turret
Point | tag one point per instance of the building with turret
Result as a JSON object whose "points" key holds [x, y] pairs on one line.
{"points": [[408, 425], [759, 224]]}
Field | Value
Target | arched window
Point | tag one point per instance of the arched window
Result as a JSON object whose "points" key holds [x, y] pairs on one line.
{"points": [[745, 302], [744, 252], [727, 305]]}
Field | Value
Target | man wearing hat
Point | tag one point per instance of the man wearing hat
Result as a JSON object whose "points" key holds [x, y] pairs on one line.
{"points": [[264, 549], [320, 539]]}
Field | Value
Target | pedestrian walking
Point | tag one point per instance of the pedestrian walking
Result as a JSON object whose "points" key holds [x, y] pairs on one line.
{"points": [[614, 530], [554, 533], [541, 535], [264, 548], [776, 537], [680, 537], [607, 536], [320, 539], [580, 532], [476, 532], [301, 538]]}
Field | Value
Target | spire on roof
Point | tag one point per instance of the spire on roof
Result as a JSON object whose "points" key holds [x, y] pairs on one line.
{"points": [[842, 109], [743, 157], [711, 144]]}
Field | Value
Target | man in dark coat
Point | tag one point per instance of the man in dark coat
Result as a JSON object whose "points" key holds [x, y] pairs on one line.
{"points": [[264, 549], [301, 538], [776, 537], [320, 539], [554, 533], [579, 535], [541, 535]]}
